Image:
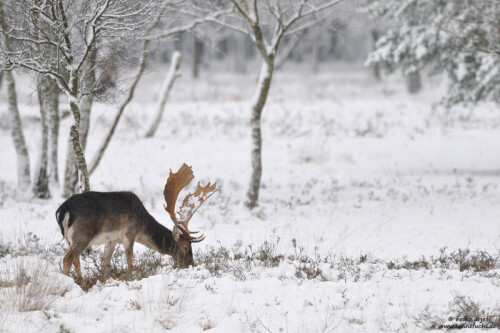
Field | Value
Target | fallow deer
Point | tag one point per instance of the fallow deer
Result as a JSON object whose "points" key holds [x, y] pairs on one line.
{"points": [[96, 218]]}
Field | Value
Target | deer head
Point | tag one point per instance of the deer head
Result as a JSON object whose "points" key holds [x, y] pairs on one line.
{"points": [[183, 237]]}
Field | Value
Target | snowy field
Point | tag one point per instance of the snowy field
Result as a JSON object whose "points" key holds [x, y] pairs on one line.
{"points": [[379, 211]]}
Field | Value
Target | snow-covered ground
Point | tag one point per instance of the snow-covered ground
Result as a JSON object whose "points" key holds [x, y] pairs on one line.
{"points": [[358, 173]]}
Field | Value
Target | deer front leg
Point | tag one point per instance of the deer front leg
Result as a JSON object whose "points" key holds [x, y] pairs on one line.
{"points": [[109, 248], [78, 269], [128, 244]]}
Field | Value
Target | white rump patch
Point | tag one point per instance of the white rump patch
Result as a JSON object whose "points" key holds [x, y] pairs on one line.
{"points": [[65, 224]]}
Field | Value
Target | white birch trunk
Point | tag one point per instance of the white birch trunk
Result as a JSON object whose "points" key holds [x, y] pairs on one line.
{"points": [[258, 102], [142, 66], [77, 147], [41, 181], [23, 160], [71, 172], [54, 135], [173, 73]]}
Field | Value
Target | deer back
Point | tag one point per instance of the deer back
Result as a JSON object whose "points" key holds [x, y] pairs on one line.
{"points": [[94, 215]]}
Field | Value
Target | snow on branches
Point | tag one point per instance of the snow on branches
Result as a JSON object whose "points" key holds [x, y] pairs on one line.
{"points": [[459, 38]]}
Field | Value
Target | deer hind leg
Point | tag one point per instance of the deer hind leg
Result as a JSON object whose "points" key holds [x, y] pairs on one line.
{"points": [[109, 248], [72, 257], [128, 244], [78, 269], [66, 262]]}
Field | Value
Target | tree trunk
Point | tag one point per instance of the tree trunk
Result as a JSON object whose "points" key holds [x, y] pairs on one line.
{"points": [[77, 147], [23, 160], [413, 82], [197, 54], [1, 79], [259, 100], [138, 76], [376, 67], [41, 182], [173, 73], [71, 173], [54, 134]]}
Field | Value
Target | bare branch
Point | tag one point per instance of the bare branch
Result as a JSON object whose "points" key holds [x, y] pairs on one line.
{"points": [[244, 12], [191, 25]]}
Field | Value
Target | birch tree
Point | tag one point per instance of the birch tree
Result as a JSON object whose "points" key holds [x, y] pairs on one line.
{"points": [[173, 73], [70, 30], [71, 171], [269, 24], [48, 105], [45, 101], [194, 17], [23, 161], [54, 133]]}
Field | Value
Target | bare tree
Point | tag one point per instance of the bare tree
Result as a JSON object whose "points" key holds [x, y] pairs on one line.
{"points": [[71, 171], [54, 134], [45, 98], [140, 71], [23, 161], [70, 30], [197, 56], [268, 24], [173, 73], [194, 16]]}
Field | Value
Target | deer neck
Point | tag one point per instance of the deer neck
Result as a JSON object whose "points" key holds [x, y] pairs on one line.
{"points": [[157, 237]]}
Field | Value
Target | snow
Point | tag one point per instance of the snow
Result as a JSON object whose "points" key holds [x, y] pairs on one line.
{"points": [[351, 168]]}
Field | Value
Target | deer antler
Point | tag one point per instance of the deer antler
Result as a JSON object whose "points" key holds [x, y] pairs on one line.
{"points": [[175, 183]]}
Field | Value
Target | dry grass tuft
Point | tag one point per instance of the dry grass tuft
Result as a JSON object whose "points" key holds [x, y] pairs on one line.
{"points": [[461, 259], [208, 324], [146, 264], [31, 287], [463, 312]]}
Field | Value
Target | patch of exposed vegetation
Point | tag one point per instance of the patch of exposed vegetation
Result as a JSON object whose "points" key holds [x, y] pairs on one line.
{"points": [[461, 259], [31, 287], [463, 312], [146, 264], [5, 249], [30, 244], [241, 261]]}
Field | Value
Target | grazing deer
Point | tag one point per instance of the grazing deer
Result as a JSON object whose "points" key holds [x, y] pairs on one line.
{"points": [[96, 218]]}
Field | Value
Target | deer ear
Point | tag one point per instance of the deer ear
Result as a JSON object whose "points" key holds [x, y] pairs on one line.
{"points": [[176, 233]]}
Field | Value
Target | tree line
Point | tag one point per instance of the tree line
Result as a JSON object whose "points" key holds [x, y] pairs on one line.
{"points": [[71, 49]]}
